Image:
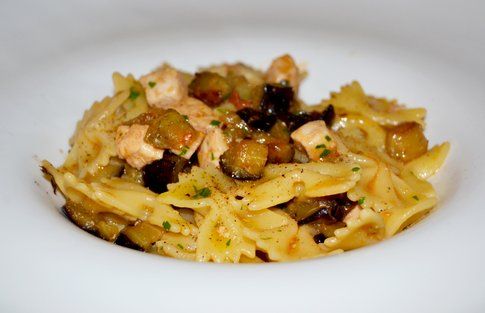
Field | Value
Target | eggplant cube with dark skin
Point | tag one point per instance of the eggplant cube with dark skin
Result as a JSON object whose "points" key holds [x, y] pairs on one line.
{"points": [[170, 131], [245, 160], [158, 174], [210, 88], [276, 99]]}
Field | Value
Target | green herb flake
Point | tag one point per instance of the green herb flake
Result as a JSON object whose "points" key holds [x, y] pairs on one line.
{"points": [[184, 150], [415, 198], [212, 156], [186, 118], [201, 193], [325, 153], [152, 84], [266, 238], [361, 201], [134, 94], [180, 246], [327, 137], [215, 123], [355, 169], [320, 146], [228, 243], [166, 225]]}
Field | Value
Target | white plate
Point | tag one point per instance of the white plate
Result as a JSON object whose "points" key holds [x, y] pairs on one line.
{"points": [[57, 57]]}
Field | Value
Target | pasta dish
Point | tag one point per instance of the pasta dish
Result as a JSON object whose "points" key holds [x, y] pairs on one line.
{"points": [[230, 165]]}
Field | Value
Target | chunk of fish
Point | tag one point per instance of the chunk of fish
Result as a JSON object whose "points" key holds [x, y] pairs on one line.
{"points": [[284, 68], [131, 146], [211, 149], [164, 87], [316, 138]]}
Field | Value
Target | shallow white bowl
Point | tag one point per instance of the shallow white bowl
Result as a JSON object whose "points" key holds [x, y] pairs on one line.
{"points": [[57, 58]]}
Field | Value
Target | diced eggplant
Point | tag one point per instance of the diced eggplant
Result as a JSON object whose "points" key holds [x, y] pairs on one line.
{"points": [[276, 99], [280, 131], [158, 174], [110, 225], [295, 121], [263, 256], [319, 238], [235, 129], [328, 115], [256, 119], [170, 131], [406, 142], [126, 242], [280, 152], [245, 160], [132, 174], [81, 216], [331, 209], [104, 225], [211, 88], [244, 94], [140, 236]]}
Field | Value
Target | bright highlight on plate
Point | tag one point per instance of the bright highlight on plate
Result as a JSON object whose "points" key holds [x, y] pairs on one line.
{"points": [[229, 165]]}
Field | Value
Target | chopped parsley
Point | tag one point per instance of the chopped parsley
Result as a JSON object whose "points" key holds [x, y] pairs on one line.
{"points": [[327, 137], [325, 153], [166, 225], [134, 94], [201, 193], [228, 243], [186, 118], [215, 123], [355, 169], [180, 246], [320, 146], [152, 84], [212, 156], [361, 201], [184, 150], [415, 198]]}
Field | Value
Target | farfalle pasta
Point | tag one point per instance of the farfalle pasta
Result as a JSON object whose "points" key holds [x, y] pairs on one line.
{"points": [[230, 165]]}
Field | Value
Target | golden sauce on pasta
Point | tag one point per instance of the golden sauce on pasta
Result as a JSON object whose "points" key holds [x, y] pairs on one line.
{"points": [[229, 165]]}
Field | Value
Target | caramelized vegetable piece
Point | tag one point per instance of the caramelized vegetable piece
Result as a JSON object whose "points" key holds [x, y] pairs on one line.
{"points": [[245, 160], [276, 99], [294, 121], [83, 216], [331, 209], [319, 238], [170, 130], [280, 152], [210, 88], [104, 225], [110, 225], [280, 131], [234, 128], [256, 119], [142, 235], [244, 94], [158, 174], [132, 174], [406, 142]]}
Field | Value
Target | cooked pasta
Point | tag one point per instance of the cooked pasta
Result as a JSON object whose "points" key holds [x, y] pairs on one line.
{"points": [[230, 165]]}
